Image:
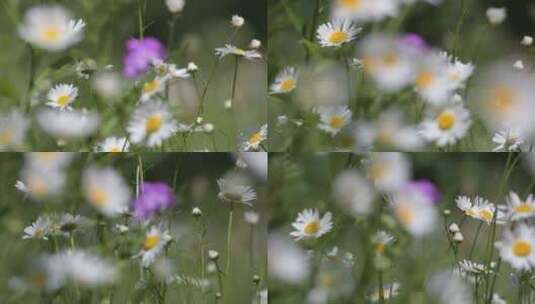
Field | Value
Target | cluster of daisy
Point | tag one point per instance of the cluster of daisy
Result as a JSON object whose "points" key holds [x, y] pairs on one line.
{"points": [[421, 96]]}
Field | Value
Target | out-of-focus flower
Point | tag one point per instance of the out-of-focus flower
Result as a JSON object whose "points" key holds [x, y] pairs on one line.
{"points": [[106, 190], [229, 49], [284, 82], [414, 40], [255, 44], [153, 198], [415, 211], [50, 27], [447, 287], [427, 188], [332, 283], [69, 223], [288, 263], [42, 183], [13, 127], [254, 139], [75, 124], [38, 229], [233, 189], [251, 217], [155, 241], [309, 224], [365, 10], [446, 124], [139, 55], [192, 67], [48, 160], [527, 40], [380, 240], [151, 123], [336, 33], [113, 144], [175, 6], [333, 119], [322, 84], [257, 163], [517, 247], [389, 291], [508, 140], [85, 269], [354, 193], [388, 171], [107, 84], [433, 79], [519, 65], [237, 21], [61, 96], [496, 15], [520, 209]]}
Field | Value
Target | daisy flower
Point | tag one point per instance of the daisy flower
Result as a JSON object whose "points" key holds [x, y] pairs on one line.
{"points": [[69, 223], [13, 127], [288, 262], [309, 224], [432, 82], [508, 141], [336, 33], [75, 124], [42, 183], [106, 190], [445, 125], [153, 87], [380, 241], [61, 96], [50, 27], [88, 270], [229, 49], [415, 211], [285, 81], [38, 229], [233, 189], [153, 244], [389, 171], [48, 160], [365, 10], [517, 247], [474, 268], [458, 72], [389, 291], [354, 193], [480, 209], [255, 139], [333, 118], [520, 209], [151, 123], [113, 144]]}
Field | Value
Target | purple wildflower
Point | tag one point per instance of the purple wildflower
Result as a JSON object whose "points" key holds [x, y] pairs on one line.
{"points": [[153, 197], [415, 41], [427, 188], [139, 55]]}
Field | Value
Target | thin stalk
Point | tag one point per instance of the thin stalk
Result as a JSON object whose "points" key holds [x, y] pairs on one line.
{"points": [[140, 17], [229, 239], [234, 79], [475, 240], [381, 290], [219, 277], [460, 21], [171, 36], [313, 27], [26, 102]]}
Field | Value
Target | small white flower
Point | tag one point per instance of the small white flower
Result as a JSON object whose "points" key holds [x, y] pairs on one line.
{"points": [[38, 229], [13, 128], [309, 224], [106, 190], [434, 81], [354, 193], [527, 40], [152, 88], [255, 44], [414, 211], [380, 240], [517, 247], [496, 15], [113, 144], [237, 21], [458, 72], [229, 49], [192, 67], [155, 241], [389, 171], [254, 139], [285, 81], [175, 6], [68, 223], [473, 268], [251, 217], [42, 182], [87, 269], [151, 123], [508, 140], [458, 237], [480, 209], [333, 118], [196, 212], [336, 33], [62, 96], [520, 209], [213, 255], [50, 27], [389, 291], [75, 124], [519, 65], [453, 228], [232, 189], [446, 125]]}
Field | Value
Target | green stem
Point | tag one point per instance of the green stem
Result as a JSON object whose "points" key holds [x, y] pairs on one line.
{"points": [[381, 290], [313, 27], [229, 239], [475, 241], [26, 102], [140, 17], [460, 21], [172, 23], [234, 79]]}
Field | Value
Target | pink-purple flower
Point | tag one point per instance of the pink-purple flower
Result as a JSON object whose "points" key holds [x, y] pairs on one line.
{"points": [[153, 198], [140, 54], [415, 41], [427, 188]]}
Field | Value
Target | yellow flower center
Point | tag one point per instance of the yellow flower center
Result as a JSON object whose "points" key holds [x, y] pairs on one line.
{"points": [[98, 197], [115, 150], [150, 242], [454, 76], [51, 33], [6, 136], [446, 120], [502, 98], [425, 79], [336, 122], [62, 100], [523, 208], [38, 233], [312, 227], [150, 86], [486, 215], [287, 85], [377, 171], [390, 59], [521, 248], [153, 123], [379, 248], [350, 3], [37, 187], [255, 138], [338, 37], [405, 214], [328, 281]]}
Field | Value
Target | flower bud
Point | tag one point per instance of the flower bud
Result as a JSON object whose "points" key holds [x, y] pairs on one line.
{"points": [[237, 21]]}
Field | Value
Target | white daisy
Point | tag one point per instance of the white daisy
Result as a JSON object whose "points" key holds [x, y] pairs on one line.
{"points": [[365, 10], [41, 182], [285, 81], [233, 189], [333, 118], [232, 50], [151, 123], [50, 27], [508, 141], [414, 211], [88, 270], [336, 33], [354, 193], [69, 223], [38, 229], [153, 244], [458, 72], [473, 268], [76, 124], [433, 82], [445, 125], [309, 224], [13, 127], [389, 171], [389, 291], [106, 190], [480, 209], [517, 247], [48, 160], [520, 209], [288, 262], [113, 144], [61, 96], [153, 87], [496, 15], [254, 139], [380, 241]]}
